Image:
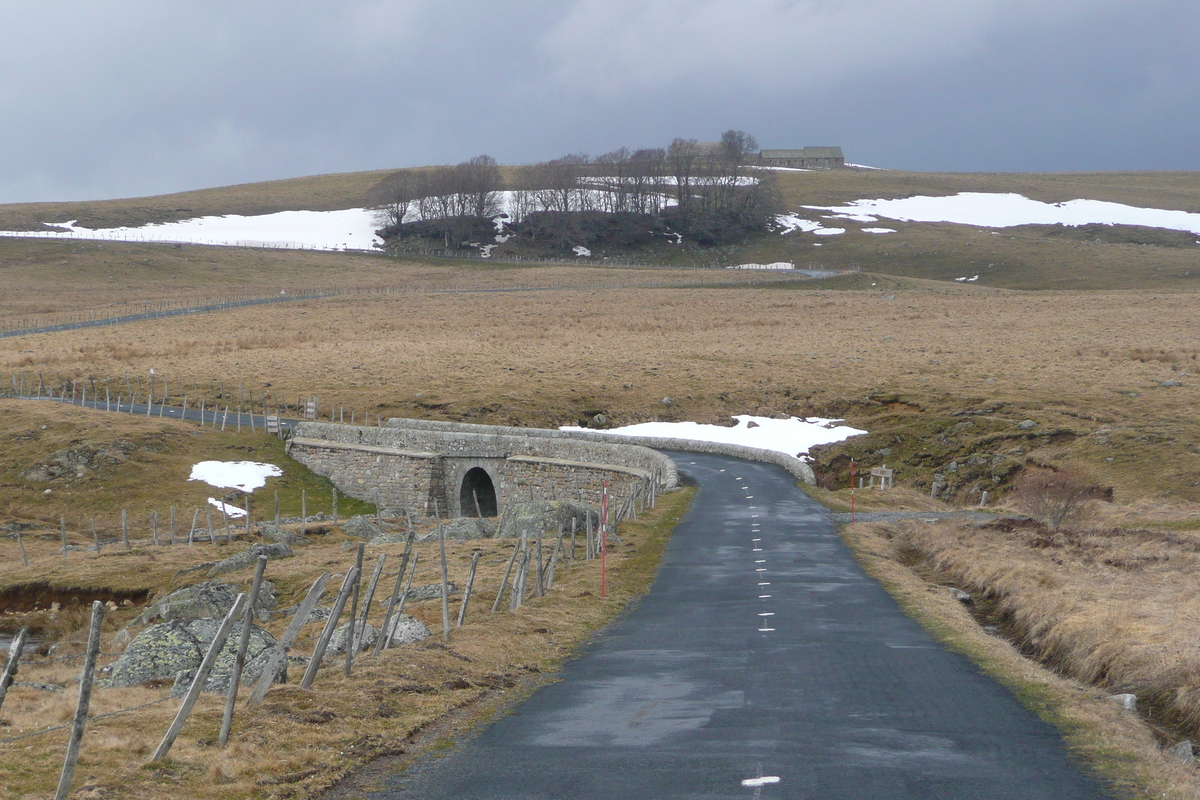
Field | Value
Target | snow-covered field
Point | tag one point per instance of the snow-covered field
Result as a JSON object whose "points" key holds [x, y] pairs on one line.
{"points": [[793, 436], [775, 265], [349, 229]]}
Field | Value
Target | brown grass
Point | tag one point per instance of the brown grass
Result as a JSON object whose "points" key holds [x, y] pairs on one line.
{"points": [[916, 561], [301, 741]]}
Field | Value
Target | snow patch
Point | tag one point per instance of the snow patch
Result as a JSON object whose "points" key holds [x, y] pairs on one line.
{"points": [[244, 475], [878, 230], [348, 229], [964, 278], [581, 251], [763, 781], [773, 265], [998, 210], [829, 231], [793, 436], [231, 512]]}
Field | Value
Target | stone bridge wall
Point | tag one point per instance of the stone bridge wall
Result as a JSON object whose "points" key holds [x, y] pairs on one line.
{"points": [[416, 464]]}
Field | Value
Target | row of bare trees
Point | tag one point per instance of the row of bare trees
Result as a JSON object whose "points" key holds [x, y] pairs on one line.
{"points": [[700, 189]]}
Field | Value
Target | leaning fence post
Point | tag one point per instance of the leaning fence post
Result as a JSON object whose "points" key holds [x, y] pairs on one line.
{"points": [[210, 660], [504, 581], [351, 639], [466, 598], [62, 526], [354, 636], [239, 660], [21, 545], [403, 599], [323, 642], [10, 666], [125, 527], [85, 698], [279, 654], [445, 579], [387, 616]]}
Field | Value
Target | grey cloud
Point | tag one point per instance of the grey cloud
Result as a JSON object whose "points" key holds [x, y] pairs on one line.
{"points": [[143, 97]]}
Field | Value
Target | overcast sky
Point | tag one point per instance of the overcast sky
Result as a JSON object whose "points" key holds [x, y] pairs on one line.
{"points": [[137, 97]]}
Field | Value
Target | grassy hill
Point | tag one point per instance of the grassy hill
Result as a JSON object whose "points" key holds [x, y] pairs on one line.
{"points": [[1027, 257]]}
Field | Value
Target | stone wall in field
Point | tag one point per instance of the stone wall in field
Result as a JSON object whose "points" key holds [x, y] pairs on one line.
{"points": [[446, 468]]}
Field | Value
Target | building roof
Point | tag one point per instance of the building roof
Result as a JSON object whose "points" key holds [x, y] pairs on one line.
{"points": [[807, 152]]}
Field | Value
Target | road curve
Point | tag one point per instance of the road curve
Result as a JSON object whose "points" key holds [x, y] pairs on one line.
{"points": [[763, 663]]}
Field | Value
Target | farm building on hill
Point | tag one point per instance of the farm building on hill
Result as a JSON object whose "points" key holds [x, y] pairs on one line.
{"points": [[805, 158]]}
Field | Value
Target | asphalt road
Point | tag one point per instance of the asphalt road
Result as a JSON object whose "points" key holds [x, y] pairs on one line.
{"points": [[763, 663]]}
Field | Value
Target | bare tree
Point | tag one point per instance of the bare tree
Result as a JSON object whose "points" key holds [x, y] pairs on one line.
{"points": [[1058, 498], [480, 182], [393, 197]]}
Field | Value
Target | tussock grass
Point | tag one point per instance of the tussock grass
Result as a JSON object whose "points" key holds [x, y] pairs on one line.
{"points": [[1118, 745], [1107, 610], [302, 741]]}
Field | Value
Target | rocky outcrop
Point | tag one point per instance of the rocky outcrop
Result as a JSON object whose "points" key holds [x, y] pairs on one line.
{"points": [[74, 463], [540, 517], [361, 527], [406, 630], [250, 556], [162, 652], [463, 529], [211, 599]]}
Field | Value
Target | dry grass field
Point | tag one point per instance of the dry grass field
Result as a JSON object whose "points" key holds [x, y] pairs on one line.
{"points": [[298, 742], [941, 374]]}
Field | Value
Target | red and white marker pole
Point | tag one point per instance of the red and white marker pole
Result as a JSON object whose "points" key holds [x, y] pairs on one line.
{"points": [[852, 486], [603, 541]]}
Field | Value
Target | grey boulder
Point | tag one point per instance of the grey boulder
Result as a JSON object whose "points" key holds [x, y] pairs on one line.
{"points": [[464, 529], [163, 651], [208, 599], [407, 630], [545, 516], [361, 527], [250, 556]]}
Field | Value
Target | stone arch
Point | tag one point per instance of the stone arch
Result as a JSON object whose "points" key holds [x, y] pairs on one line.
{"points": [[476, 482]]}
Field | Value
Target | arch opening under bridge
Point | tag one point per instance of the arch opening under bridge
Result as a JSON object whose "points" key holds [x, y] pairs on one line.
{"points": [[477, 495]]}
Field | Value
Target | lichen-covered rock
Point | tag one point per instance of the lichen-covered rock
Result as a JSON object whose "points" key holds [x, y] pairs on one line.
{"points": [[366, 634], [429, 591], [273, 534], [163, 651], [540, 517], [250, 556], [208, 599], [74, 463], [361, 527], [463, 529], [406, 630]]}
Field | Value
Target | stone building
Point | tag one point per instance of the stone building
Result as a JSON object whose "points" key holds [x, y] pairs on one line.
{"points": [[804, 158]]}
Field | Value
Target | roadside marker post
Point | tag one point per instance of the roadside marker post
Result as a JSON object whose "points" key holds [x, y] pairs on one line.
{"points": [[852, 491], [604, 542]]}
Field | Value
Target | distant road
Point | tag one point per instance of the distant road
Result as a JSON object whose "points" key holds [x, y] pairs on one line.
{"points": [[763, 663]]}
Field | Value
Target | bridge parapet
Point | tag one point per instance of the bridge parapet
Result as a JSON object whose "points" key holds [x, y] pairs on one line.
{"points": [[455, 467]]}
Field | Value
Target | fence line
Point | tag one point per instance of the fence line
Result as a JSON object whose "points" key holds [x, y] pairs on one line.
{"points": [[139, 311]]}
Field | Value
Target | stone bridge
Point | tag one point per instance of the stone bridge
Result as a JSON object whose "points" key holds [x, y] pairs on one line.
{"points": [[461, 470]]}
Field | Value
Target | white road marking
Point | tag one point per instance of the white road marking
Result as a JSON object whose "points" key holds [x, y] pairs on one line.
{"points": [[763, 781], [764, 583], [763, 596], [764, 630], [767, 614]]}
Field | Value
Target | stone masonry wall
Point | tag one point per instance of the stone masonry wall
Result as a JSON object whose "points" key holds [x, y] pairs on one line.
{"points": [[416, 466]]}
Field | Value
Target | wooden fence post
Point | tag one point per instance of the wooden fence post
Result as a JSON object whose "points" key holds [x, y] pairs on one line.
{"points": [[279, 654], [125, 528], [239, 660], [504, 581], [351, 638], [387, 616], [85, 698], [323, 642], [172, 524], [335, 514], [10, 666], [21, 545], [445, 579], [303, 512], [62, 526], [95, 537], [154, 527], [466, 598], [202, 673]]}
